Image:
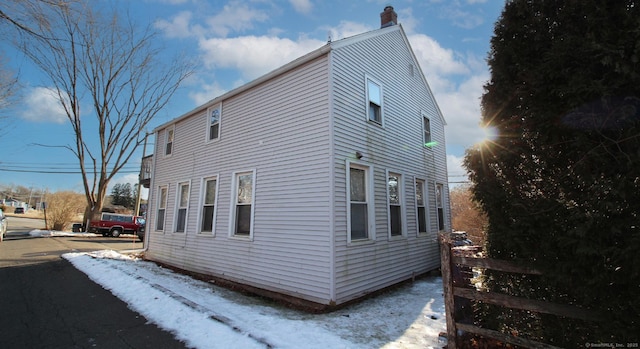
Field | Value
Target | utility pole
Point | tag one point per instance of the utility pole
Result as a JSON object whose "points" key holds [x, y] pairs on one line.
{"points": [[29, 203], [144, 153]]}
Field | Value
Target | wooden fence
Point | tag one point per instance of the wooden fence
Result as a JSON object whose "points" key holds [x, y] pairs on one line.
{"points": [[453, 261]]}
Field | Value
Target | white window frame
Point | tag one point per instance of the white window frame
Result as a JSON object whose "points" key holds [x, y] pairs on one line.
{"points": [[368, 100], [161, 206], [234, 204], [179, 207], [201, 205], [425, 206], [439, 204], [371, 233], [210, 111], [426, 137], [169, 130], [401, 204]]}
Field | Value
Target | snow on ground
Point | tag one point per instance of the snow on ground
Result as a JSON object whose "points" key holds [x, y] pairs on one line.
{"points": [[54, 233], [203, 315]]}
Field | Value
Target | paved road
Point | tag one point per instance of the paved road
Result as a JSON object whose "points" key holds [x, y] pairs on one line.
{"points": [[45, 302]]}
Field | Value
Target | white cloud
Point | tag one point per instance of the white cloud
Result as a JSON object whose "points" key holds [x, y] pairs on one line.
{"points": [[178, 27], [459, 17], [461, 109], [42, 105], [235, 17], [346, 29], [254, 55], [302, 6], [206, 92], [407, 20], [435, 59]]}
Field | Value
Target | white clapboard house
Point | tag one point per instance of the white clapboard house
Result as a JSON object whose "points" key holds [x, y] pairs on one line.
{"points": [[319, 182]]}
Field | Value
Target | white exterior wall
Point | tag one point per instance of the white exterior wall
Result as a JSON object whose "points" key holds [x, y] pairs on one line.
{"points": [[297, 131], [362, 267], [280, 129]]}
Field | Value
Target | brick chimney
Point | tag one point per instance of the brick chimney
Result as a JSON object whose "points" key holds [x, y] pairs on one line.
{"points": [[388, 17]]}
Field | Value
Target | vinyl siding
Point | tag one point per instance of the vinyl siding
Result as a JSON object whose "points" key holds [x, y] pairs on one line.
{"points": [[365, 267], [280, 130]]}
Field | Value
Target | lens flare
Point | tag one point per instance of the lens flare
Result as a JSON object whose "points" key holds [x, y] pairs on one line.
{"points": [[490, 134]]}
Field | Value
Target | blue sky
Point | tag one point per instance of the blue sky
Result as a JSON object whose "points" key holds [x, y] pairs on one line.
{"points": [[236, 41]]}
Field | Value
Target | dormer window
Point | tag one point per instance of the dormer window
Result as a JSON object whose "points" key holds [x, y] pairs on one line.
{"points": [[374, 101]]}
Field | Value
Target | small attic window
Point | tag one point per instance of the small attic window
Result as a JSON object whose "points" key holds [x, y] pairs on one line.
{"points": [[374, 101], [411, 70]]}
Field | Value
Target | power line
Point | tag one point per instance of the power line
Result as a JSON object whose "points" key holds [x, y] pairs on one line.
{"points": [[63, 172], [57, 168]]}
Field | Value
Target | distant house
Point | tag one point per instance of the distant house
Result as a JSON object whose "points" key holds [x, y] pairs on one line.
{"points": [[14, 203], [322, 181], [11, 202]]}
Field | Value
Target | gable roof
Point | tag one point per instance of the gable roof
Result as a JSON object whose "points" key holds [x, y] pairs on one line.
{"points": [[370, 34], [323, 50]]}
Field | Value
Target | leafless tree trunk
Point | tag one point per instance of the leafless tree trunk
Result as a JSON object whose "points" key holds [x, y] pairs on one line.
{"points": [[111, 79]]}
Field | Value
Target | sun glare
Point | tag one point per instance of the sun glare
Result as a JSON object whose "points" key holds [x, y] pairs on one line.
{"points": [[490, 134]]}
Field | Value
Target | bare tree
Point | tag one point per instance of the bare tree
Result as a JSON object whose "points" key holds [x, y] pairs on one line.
{"points": [[19, 16], [467, 215], [8, 84], [106, 68]]}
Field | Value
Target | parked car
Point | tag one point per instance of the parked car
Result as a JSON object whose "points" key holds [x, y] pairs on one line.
{"points": [[19, 210], [113, 224], [3, 225], [459, 238]]}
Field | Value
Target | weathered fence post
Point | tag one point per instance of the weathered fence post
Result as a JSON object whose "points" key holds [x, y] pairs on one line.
{"points": [[447, 283]]}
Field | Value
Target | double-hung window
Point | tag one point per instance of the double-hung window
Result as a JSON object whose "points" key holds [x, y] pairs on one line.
{"points": [[360, 212], [374, 101], [394, 193], [162, 207], [426, 130], [439, 205], [242, 205], [214, 122], [168, 150], [210, 188], [421, 206], [182, 207]]}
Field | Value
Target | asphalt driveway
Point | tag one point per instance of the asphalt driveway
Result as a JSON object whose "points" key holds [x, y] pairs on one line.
{"points": [[47, 303]]}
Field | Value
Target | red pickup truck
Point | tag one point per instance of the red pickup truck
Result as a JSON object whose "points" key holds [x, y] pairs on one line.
{"points": [[113, 224]]}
